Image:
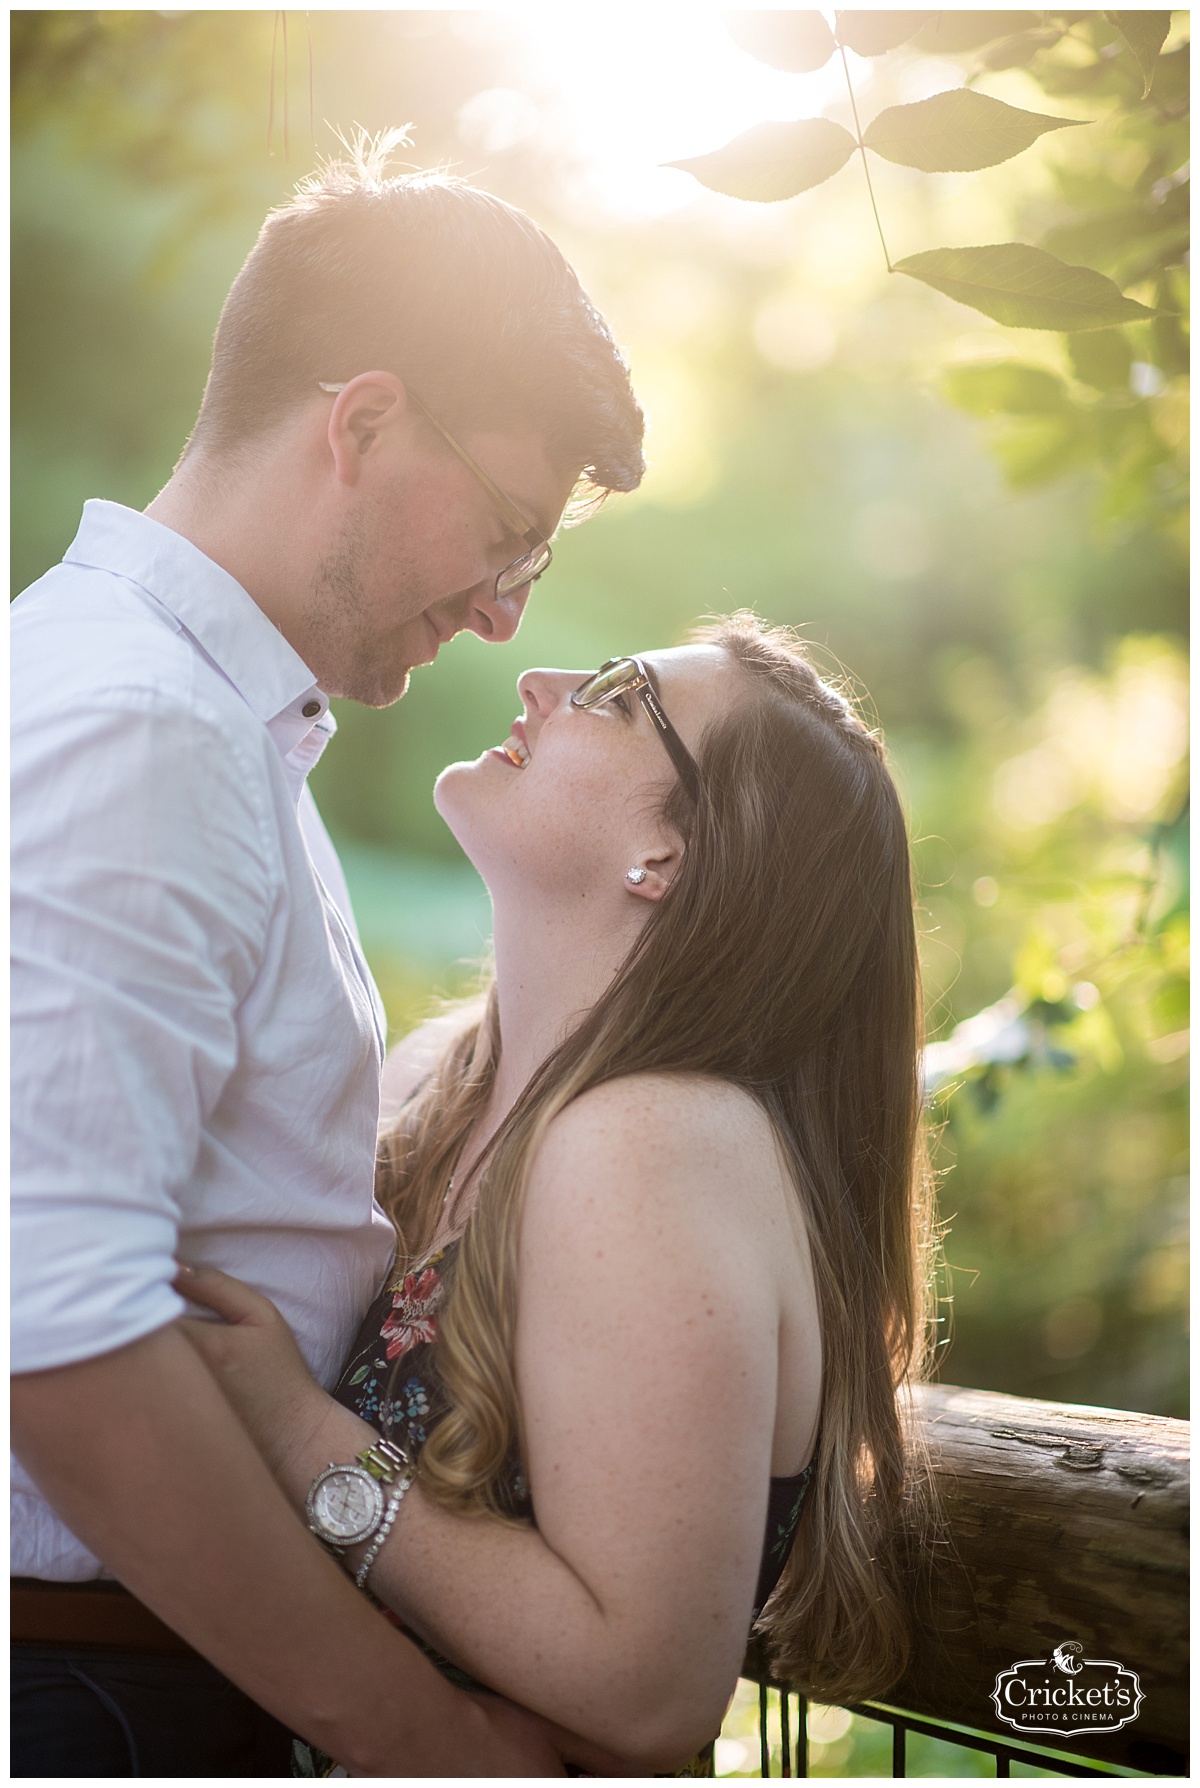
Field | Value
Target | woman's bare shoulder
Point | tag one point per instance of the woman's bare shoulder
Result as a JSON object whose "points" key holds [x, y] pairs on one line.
{"points": [[679, 1106], [646, 1139]]}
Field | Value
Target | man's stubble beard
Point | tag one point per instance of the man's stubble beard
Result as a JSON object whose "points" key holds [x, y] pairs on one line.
{"points": [[342, 644]]}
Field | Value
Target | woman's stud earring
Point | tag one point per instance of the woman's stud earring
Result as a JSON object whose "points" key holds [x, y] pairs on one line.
{"points": [[635, 876]]}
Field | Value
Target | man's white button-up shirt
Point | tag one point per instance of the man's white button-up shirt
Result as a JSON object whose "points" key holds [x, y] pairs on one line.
{"points": [[196, 1037]]}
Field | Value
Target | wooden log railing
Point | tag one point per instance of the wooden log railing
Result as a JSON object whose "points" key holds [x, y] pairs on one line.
{"points": [[1061, 1522]]}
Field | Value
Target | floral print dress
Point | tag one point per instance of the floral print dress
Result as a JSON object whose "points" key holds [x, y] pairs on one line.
{"points": [[370, 1385], [391, 1380]]}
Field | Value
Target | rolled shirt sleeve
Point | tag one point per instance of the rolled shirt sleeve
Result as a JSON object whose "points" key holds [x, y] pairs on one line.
{"points": [[143, 883]]}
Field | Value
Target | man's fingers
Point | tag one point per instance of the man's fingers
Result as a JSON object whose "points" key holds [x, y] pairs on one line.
{"points": [[204, 1337], [218, 1291]]}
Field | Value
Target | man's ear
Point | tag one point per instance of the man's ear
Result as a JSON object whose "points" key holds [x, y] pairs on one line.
{"points": [[651, 874], [364, 409]]}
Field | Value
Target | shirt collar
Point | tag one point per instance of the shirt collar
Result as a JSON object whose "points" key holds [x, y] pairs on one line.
{"points": [[224, 620]]}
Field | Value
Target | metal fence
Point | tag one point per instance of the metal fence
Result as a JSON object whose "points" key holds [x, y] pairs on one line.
{"points": [[793, 1743]]}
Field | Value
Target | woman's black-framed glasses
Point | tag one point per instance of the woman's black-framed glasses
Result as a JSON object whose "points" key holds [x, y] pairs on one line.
{"points": [[537, 557], [628, 676]]}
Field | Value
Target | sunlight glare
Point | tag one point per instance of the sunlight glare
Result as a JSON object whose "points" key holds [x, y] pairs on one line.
{"points": [[638, 87]]}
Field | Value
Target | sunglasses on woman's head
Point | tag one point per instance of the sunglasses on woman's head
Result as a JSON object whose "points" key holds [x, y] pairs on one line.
{"points": [[629, 676]]}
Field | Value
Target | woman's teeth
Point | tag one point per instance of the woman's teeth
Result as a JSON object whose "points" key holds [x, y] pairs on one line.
{"points": [[515, 752]]}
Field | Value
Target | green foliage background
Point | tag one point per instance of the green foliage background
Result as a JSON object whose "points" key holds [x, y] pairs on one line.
{"points": [[985, 525]]}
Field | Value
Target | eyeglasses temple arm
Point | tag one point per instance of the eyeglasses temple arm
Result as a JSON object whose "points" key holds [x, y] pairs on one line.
{"points": [[521, 528], [533, 537], [681, 757]]}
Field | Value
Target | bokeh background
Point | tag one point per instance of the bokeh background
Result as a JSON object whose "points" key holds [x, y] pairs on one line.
{"points": [[1004, 574]]}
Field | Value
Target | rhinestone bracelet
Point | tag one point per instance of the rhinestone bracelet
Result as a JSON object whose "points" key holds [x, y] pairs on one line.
{"points": [[385, 1528]]}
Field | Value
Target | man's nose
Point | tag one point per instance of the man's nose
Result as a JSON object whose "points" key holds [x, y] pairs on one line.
{"points": [[496, 618]]}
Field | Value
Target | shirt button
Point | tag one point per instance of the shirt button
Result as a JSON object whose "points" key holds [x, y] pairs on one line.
{"points": [[310, 710]]}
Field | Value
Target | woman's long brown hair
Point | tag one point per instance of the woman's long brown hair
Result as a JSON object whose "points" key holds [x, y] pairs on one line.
{"points": [[783, 959]]}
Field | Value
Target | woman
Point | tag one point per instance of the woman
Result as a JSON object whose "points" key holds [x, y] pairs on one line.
{"points": [[661, 1212]]}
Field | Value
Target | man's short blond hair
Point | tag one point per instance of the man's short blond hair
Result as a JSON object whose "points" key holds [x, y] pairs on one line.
{"points": [[450, 288]]}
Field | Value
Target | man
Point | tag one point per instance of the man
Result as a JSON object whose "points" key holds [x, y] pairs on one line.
{"points": [[407, 384]]}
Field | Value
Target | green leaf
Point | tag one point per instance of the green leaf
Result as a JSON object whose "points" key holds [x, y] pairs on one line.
{"points": [[1171, 349], [360, 1374], [1145, 34], [1007, 387], [875, 33], [1018, 51], [949, 33], [1125, 238], [1038, 449], [1101, 359], [956, 132], [1024, 287], [774, 161], [796, 41], [1171, 87]]}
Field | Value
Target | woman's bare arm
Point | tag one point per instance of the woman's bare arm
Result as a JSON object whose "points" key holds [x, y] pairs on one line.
{"points": [[647, 1349]]}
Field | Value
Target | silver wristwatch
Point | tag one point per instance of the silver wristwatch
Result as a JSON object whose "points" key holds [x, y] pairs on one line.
{"points": [[347, 1503]]}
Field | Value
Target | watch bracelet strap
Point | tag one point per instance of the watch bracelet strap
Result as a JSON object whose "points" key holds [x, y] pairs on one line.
{"points": [[384, 1459], [385, 1526]]}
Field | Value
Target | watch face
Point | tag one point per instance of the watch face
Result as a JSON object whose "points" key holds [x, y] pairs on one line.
{"points": [[347, 1504]]}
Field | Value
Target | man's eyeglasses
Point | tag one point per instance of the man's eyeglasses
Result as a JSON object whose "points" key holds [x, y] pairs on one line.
{"points": [[537, 557], [628, 676]]}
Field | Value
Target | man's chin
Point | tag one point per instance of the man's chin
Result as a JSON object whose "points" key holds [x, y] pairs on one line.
{"points": [[370, 691], [392, 692]]}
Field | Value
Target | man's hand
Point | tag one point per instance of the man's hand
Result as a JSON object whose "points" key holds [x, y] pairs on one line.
{"points": [[253, 1356], [525, 1728]]}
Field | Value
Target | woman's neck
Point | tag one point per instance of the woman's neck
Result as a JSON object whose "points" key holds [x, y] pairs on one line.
{"points": [[550, 971]]}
